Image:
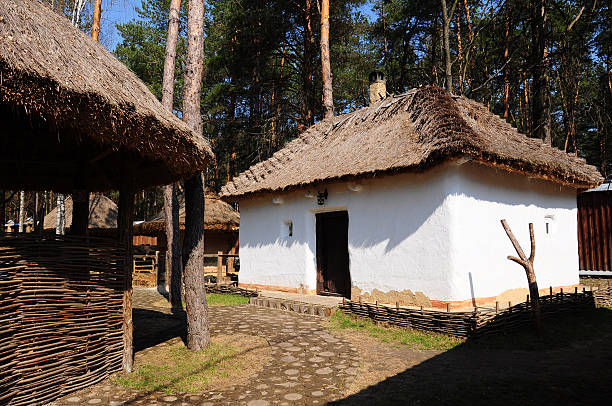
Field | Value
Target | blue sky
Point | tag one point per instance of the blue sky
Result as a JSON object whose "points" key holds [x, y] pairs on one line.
{"points": [[121, 11]]}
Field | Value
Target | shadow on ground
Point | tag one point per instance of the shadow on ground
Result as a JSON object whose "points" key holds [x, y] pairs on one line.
{"points": [[153, 327], [571, 364]]}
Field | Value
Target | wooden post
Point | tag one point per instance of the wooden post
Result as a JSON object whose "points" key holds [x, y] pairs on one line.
{"points": [[80, 212], [448, 307], [510, 307], [125, 222], [496, 307], [219, 267]]}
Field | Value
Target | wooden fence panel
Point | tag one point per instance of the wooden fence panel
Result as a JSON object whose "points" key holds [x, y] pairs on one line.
{"points": [[61, 312], [595, 231]]}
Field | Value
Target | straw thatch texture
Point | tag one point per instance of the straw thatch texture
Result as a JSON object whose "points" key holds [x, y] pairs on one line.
{"points": [[67, 105], [61, 315], [218, 215], [409, 132], [102, 213]]}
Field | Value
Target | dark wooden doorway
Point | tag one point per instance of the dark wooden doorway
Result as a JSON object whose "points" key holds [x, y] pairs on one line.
{"points": [[333, 276]]}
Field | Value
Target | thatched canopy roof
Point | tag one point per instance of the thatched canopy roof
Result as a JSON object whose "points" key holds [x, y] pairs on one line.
{"points": [[409, 132], [68, 106], [218, 215], [102, 213]]}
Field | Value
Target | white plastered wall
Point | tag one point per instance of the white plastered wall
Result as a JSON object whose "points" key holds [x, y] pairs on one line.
{"points": [[438, 233], [480, 198]]}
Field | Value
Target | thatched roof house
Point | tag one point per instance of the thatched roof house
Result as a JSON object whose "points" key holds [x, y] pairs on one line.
{"points": [[218, 215], [83, 107], [401, 201], [75, 120], [102, 213], [409, 132], [221, 224]]}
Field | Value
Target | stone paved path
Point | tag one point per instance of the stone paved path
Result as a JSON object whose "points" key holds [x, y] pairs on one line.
{"points": [[309, 364]]}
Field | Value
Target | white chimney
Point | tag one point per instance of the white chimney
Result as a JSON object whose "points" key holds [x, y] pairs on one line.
{"points": [[378, 86]]}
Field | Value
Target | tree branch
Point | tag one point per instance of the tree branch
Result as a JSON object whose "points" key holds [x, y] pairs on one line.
{"points": [[515, 243]]}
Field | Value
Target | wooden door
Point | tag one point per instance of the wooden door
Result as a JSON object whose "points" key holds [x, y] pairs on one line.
{"points": [[333, 275]]}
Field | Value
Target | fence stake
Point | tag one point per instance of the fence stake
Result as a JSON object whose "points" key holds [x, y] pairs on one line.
{"points": [[397, 305], [496, 307], [561, 293], [510, 307], [527, 302], [576, 291], [421, 310], [448, 307]]}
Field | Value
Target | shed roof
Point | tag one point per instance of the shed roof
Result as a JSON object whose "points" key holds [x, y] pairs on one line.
{"points": [[102, 213], [67, 105], [409, 132], [218, 215]]}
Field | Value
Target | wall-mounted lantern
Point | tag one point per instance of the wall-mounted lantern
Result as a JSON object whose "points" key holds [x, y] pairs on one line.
{"points": [[321, 197]]}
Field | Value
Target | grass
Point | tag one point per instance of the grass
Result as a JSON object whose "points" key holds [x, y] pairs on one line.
{"points": [[174, 368], [418, 340], [214, 299]]}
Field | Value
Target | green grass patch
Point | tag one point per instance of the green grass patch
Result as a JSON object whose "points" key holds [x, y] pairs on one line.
{"points": [[225, 299], [418, 340], [174, 369], [213, 299]]}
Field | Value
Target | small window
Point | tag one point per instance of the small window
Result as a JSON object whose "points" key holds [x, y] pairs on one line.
{"points": [[287, 228]]}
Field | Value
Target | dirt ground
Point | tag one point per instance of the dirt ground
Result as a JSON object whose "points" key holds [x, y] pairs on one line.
{"points": [[509, 371]]}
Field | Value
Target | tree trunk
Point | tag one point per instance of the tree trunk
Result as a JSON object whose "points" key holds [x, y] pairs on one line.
{"points": [[198, 334], [171, 206], [307, 113], [21, 210], [527, 264], [506, 55], [446, 19], [60, 221], [95, 24], [42, 208], [540, 101], [125, 221], [328, 100], [80, 212]]}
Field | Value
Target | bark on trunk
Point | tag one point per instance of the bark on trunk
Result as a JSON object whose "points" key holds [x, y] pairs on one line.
{"points": [[171, 208], [506, 55], [21, 210], [125, 221], [527, 264], [446, 19], [198, 334], [95, 25], [540, 101], [307, 113], [328, 100], [60, 221]]}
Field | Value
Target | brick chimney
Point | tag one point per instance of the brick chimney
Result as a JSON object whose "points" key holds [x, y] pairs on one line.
{"points": [[378, 86]]}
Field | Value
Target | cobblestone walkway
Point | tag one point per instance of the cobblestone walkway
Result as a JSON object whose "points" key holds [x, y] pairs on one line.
{"points": [[309, 364]]}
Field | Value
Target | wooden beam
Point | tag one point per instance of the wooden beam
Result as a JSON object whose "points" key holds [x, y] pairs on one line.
{"points": [[125, 223]]}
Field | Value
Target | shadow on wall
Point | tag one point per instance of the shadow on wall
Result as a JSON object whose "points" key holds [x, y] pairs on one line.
{"points": [[516, 369]]}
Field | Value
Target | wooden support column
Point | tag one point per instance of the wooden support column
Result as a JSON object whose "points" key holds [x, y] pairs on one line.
{"points": [[125, 223], [80, 212], [2, 211], [219, 267]]}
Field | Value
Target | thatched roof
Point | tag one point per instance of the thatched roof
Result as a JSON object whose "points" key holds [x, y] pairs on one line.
{"points": [[409, 132], [218, 215], [102, 213], [68, 105]]}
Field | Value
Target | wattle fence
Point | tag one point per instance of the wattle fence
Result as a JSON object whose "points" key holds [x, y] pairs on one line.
{"points": [[61, 301], [480, 321]]}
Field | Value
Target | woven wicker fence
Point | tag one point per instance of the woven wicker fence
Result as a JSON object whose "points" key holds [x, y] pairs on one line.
{"points": [[61, 315], [603, 296], [470, 323]]}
